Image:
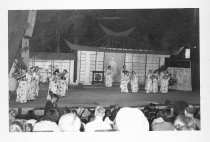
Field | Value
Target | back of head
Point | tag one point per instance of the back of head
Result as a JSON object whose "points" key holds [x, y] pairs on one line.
{"points": [[16, 126], [184, 123], [99, 111], [69, 123], [46, 126], [131, 119], [52, 115]]}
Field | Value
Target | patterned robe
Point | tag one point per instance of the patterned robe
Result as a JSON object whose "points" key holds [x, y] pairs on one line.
{"points": [[53, 85], [155, 84], [148, 86], [109, 78], [124, 82], [34, 87], [22, 90], [134, 84], [164, 85], [62, 86]]}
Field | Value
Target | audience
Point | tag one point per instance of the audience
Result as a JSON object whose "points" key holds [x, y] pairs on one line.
{"points": [[169, 117], [98, 124]]}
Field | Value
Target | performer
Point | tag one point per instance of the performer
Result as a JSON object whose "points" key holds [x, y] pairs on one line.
{"points": [[23, 87], [148, 86], [53, 83], [12, 79], [134, 82], [164, 83], [62, 84], [124, 80], [109, 77], [155, 83]]}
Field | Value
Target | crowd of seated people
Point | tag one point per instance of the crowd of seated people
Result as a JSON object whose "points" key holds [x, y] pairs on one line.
{"points": [[168, 117]]}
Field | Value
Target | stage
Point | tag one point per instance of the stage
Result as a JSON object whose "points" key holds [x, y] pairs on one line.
{"points": [[92, 97]]}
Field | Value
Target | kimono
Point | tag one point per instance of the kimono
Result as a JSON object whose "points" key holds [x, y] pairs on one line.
{"points": [[22, 90], [164, 84], [34, 87], [134, 84], [124, 82], [148, 86], [155, 84], [53, 85], [109, 78], [62, 86]]}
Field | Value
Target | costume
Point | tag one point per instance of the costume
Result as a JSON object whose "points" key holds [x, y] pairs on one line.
{"points": [[164, 83], [134, 84], [62, 85], [155, 83], [34, 86], [23, 88], [124, 81], [109, 78], [53, 85], [148, 86]]}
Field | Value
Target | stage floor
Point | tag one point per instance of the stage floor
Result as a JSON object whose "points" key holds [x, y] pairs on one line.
{"points": [[91, 97]]}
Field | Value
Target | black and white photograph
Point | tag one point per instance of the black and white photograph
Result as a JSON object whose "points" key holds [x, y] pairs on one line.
{"points": [[120, 69], [104, 70]]}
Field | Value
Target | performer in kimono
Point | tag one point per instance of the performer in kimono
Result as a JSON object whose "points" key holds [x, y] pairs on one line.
{"points": [[12, 79], [62, 84], [34, 84], [124, 80], [23, 87], [164, 83], [109, 77], [148, 86], [134, 82], [155, 83], [53, 83]]}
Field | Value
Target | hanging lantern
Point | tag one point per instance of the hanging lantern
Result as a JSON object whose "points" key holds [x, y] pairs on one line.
{"points": [[187, 53]]}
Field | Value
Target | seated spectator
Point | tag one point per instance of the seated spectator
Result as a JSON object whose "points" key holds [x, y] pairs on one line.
{"points": [[31, 115], [46, 126], [131, 119], [98, 124], [184, 123], [168, 115], [83, 114], [16, 126], [12, 115], [190, 112], [69, 123], [52, 115], [159, 124], [52, 103]]}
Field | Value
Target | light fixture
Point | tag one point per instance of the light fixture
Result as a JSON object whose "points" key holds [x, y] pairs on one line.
{"points": [[187, 53]]}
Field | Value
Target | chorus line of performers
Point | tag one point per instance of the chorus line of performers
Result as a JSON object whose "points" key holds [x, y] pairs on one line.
{"points": [[58, 83], [153, 81]]}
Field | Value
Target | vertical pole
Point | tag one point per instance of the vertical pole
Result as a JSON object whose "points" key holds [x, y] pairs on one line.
{"points": [[145, 68]]}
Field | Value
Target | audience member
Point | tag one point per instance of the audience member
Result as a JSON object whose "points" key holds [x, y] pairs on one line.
{"points": [[69, 123], [131, 119], [98, 124], [159, 124], [52, 115], [52, 103], [46, 126]]}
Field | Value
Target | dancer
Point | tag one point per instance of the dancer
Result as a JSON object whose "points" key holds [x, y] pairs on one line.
{"points": [[164, 82], [34, 84], [148, 86], [134, 82], [23, 87], [62, 85], [109, 77], [124, 80], [155, 83], [53, 83]]}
